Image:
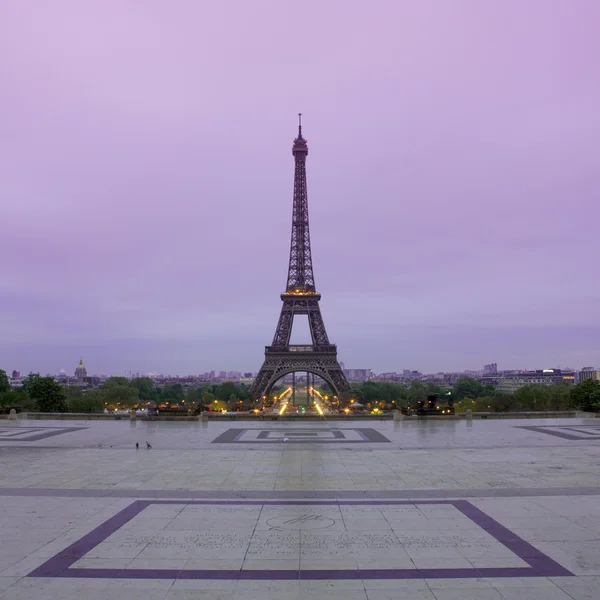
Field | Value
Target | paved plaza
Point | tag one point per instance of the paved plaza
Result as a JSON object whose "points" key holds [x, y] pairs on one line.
{"points": [[437, 510]]}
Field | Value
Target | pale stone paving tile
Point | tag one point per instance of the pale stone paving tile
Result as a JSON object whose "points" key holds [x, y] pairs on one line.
{"points": [[534, 593], [466, 594], [6, 582], [420, 594], [581, 558], [579, 588]]}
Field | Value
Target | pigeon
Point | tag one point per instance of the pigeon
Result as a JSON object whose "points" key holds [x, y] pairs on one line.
{"points": [[148, 445], [137, 445]]}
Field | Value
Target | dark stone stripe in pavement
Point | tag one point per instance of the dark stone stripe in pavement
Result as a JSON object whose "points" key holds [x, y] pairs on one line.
{"points": [[301, 494]]}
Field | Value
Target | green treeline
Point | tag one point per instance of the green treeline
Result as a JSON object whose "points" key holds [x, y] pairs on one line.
{"points": [[46, 395]]}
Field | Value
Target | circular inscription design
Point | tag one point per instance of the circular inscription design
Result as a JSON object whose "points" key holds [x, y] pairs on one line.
{"points": [[307, 521]]}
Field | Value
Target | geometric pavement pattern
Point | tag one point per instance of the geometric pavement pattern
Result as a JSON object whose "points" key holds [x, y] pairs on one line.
{"points": [[304, 535], [299, 435], [33, 434], [567, 432]]}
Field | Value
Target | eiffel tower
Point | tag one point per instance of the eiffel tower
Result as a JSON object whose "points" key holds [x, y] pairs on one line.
{"points": [[300, 298]]}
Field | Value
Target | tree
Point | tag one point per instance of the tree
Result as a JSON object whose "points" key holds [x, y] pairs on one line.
{"points": [[72, 394], [219, 405], [488, 390], [145, 387], [90, 401], [528, 397], [559, 396], [586, 395], [173, 393], [467, 388], [16, 398], [207, 399], [243, 392], [542, 397], [399, 392], [532, 397], [370, 392], [46, 393], [112, 381], [191, 396], [119, 394], [499, 402], [4, 382], [434, 388], [224, 391], [417, 391], [232, 402], [345, 398]]}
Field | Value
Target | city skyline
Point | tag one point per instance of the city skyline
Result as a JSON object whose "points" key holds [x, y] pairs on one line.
{"points": [[147, 182], [219, 372]]}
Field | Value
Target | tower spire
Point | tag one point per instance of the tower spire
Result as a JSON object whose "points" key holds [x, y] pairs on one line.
{"points": [[299, 124]]}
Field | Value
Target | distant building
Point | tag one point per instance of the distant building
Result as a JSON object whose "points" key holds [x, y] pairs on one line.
{"points": [[490, 369], [510, 382], [62, 374], [408, 374], [392, 376], [588, 373], [80, 370], [358, 375], [15, 382]]}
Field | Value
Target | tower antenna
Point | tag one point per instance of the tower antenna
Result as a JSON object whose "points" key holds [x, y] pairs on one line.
{"points": [[300, 124]]}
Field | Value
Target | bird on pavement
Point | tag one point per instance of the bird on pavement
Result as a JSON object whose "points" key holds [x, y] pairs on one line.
{"points": [[148, 445]]}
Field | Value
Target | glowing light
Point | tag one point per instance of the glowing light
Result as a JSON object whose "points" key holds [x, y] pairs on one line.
{"points": [[297, 292], [317, 393], [283, 407]]}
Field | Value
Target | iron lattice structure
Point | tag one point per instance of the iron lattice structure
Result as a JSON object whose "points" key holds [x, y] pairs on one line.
{"points": [[300, 298]]}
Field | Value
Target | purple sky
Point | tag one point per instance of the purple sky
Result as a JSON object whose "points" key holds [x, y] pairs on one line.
{"points": [[146, 181]]}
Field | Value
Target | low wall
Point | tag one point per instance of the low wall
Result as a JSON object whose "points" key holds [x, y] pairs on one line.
{"points": [[556, 414], [39, 416], [312, 417], [213, 417], [228, 417]]}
